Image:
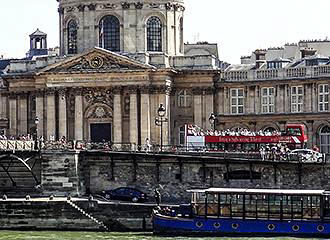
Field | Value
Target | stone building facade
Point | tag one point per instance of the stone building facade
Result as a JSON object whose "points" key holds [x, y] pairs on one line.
{"points": [[120, 60]]}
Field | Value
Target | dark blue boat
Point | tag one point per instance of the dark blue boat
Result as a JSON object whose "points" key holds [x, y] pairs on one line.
{"points": [[245, 212]]}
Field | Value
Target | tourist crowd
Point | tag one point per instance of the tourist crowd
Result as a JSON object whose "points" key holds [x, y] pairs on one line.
{"points": [[194, 130]]}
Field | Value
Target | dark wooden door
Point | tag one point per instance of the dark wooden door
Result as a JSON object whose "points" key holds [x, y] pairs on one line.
{"points": [[100, 132]]}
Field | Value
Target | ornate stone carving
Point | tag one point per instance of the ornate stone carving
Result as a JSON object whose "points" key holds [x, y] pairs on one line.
{"points": [[50, 91], [81, 8], [99, 112], [91, 7], [40, 93], [118, 90], [109, 6], [138, 5], [96, 62], [168, 6], [60, 10], [125, 5], [70, 9], [93, 96], [62, 93], [154, 5]]}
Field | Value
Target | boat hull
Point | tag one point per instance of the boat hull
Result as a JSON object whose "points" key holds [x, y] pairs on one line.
{"points": [[165, 225]]}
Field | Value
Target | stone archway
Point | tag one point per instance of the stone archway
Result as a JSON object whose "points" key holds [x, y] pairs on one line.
{"points": [[99, 123], [324, 134]]}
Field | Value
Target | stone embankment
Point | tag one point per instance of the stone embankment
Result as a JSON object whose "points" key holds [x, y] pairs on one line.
{"points": [[73, 214]]}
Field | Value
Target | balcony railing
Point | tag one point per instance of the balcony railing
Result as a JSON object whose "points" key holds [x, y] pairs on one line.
{"points": [[278, 74]]}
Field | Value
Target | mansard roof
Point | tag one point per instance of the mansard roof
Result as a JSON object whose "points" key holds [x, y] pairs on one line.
{"points": [[97, 60]]}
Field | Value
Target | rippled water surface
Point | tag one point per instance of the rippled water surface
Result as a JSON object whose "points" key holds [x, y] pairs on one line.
{"points": [[26, 235]]}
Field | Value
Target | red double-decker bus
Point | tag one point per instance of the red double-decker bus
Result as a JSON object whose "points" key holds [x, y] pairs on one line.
{"points": [[293, 137]]}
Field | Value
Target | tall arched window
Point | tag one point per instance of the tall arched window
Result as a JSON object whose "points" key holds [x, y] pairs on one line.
{"points": [[325, 139], [181, 35], [154, 35], [72, 37], [110, 33]]}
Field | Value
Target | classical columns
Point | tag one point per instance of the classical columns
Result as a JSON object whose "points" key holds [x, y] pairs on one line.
{"points": [[40, 112], [62, 115], [51, 119], [198, 114], [145, 115], [22, 121], [79, 118], [117, 118], [13, 114], [208, 106], [133, 122]]}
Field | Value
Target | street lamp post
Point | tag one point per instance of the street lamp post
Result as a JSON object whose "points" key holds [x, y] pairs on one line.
{"points": [[36, 121], [159, 122], [213, 120]]}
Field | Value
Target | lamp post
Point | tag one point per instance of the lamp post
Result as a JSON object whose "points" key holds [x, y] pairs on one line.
{"points": [[36, 121], [212, 120], [159, 122]]}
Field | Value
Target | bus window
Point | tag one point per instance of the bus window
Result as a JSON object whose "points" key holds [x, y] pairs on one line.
{"points": [[294, 132]]}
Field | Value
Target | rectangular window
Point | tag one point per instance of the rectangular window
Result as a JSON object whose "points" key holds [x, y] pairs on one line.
{"points": [[237, 101], [268, 100], [297, 99], [324, 98]]}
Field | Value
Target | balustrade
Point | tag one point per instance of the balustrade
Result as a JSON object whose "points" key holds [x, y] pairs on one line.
{"points": [[278, 74]]}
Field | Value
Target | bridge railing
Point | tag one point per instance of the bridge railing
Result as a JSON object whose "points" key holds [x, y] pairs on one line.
{"points": [[17, 145]]}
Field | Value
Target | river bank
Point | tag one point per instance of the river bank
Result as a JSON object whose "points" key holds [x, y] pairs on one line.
{"points": [[77, 214], [46, 235]]}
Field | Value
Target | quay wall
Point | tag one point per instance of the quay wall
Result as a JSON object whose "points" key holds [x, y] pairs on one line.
{"points": [[60, 215], [173, 176], [81, 173]]}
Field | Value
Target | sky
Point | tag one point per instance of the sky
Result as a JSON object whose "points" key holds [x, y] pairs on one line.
{"points": [[238, 26]]}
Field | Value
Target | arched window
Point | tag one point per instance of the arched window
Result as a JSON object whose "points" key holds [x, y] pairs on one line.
{"points": [[325, 139], [181, 35], [154, 35], [182, 135], [72, 37], [184, 99], [110, 33]]}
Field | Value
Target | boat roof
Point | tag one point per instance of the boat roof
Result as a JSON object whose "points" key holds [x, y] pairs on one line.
{"points": [[258, 191]]}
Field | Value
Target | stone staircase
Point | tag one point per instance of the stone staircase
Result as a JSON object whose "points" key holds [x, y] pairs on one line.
{"points": [[79, 209]]}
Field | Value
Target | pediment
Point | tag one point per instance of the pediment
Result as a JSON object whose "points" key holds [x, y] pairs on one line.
{"points": [[96, 60]]}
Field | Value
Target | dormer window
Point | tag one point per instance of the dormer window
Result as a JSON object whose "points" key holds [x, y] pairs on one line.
{"points": [[274, 65]]}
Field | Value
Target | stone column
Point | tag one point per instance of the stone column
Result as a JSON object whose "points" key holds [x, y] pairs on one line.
{"points": [[40, 112], [3, 105], [13, 114], [133, 118], [117, 118], [22, 114], [197, 107], [145, 116], [62, 115], [79, 118], [51, 120], [208, 98]]}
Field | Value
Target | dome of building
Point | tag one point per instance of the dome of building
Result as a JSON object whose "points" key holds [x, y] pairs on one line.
{"points": [[154, 26]]}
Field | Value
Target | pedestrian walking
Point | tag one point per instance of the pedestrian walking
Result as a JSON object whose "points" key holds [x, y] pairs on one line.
{"points": [[157, 197]]}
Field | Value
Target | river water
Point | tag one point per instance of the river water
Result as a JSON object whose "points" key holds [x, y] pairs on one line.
{"points": [[27, 235]]}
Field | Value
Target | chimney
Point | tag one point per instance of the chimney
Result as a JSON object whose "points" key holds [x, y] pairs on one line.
{"points": [[260, 57]]}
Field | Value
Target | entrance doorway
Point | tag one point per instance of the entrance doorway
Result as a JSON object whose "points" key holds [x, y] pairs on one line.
{"points": [[100, 132]]}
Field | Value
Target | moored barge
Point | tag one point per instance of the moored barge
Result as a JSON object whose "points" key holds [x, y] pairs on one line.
{"points": [[245, 212]]}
